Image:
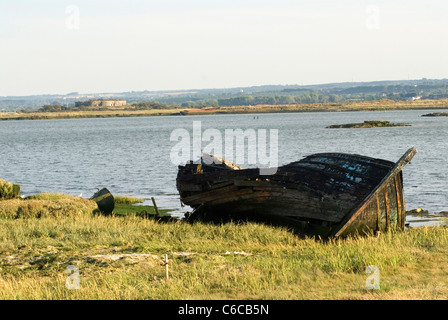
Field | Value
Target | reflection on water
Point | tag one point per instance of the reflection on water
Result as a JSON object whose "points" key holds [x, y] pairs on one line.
{"points": [[131, 156]]}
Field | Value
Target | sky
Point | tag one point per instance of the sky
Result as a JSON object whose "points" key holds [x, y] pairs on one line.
{"points": [[92, 46]]}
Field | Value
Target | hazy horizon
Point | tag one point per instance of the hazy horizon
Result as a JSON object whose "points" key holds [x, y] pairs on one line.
{"points": [[58, 47], [216, 88]]}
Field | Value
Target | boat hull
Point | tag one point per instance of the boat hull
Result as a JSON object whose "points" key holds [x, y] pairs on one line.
{"points": [[105, 201], [321, 192]]}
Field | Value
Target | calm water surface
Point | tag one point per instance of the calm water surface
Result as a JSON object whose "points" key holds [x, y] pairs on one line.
{"points": [[131, 156]]}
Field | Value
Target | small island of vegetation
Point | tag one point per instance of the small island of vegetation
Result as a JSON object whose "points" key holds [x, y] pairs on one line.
{"points": [[436, 114], [369, 124]]}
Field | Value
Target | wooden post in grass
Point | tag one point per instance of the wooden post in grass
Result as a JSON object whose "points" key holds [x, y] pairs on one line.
{"points": [[155, 206]]}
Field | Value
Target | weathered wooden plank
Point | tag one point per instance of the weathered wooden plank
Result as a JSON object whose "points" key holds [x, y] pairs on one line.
{"points": [[386, 198], [378, 216], [231, 197], [398, 196], [253, 183], [360, 171], [221, 184], [189, 187], [380, 163], [205, 195], [353, 215], [393, 205], [322, 174]]}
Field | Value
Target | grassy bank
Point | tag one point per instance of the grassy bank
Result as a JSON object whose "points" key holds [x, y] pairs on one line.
{"points": [[58, 205], [46, 205], [379, 105], [87, 114], [121, 258]]}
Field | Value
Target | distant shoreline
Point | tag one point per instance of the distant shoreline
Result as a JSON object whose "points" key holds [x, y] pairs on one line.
{"points": [[380, 105]]}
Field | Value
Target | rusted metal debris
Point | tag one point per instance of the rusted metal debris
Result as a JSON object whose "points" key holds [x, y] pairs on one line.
{"points": [[325, 194]]}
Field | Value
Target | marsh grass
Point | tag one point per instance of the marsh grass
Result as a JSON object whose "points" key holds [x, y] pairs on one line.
{"points": [[58, 205], [127, 200], [9, 190], [229, 261], [51, 196], [46, 205]]}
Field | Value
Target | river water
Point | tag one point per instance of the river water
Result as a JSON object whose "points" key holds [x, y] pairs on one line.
{"points": [[131, 156]]}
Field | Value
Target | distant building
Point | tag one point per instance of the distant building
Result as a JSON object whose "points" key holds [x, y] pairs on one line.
{"points": [[107, 103], [101, 103]]}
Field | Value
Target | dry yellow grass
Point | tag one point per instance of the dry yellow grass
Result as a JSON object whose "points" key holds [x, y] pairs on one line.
{"points": [[61, 207], [8, 190], [121, 258]]}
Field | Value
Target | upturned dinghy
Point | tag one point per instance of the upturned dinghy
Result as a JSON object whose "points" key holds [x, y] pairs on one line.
{"points": [[105, 201]]}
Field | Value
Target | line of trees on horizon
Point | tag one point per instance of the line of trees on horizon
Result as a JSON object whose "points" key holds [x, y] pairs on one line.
{"points": [[281, 97]]}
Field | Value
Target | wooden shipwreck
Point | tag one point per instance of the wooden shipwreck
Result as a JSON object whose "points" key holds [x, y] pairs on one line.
{"points": [[325, 194]]}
